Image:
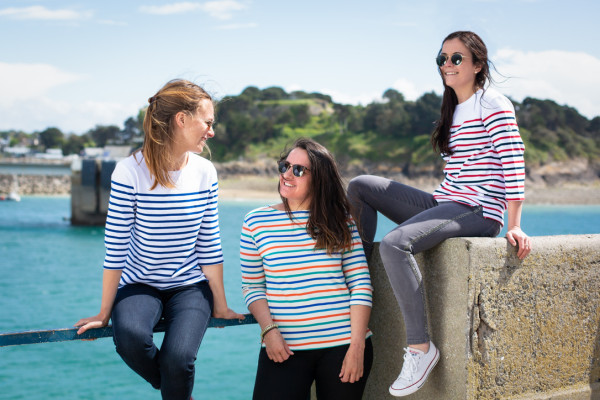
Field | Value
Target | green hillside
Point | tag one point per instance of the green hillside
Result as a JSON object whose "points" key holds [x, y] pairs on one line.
{"points": [[260, 123]]}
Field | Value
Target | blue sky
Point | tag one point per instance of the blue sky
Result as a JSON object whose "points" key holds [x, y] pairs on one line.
{"points": [[75, 64]]}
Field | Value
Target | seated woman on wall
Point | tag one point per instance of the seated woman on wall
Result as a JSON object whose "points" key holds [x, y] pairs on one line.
{"points": [[306, 281], [163, 246], [479, 139]]}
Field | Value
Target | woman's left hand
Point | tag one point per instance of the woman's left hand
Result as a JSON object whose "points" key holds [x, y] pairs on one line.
{"points": [[353, 365], [516, 236]]}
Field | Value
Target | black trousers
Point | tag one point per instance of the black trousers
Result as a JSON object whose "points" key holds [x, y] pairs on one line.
{"points": [[292, 379]]}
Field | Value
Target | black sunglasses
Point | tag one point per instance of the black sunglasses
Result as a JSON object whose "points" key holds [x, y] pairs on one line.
{"points": [[297, 170], [456, 59]]}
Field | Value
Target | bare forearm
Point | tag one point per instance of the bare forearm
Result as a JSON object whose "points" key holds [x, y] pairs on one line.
{"points": [[359, 321], [214, 274], [514, 209], [110, 284], [261, 312]]}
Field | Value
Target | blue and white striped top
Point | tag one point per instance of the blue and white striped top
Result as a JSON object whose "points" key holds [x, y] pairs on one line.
{"points": [[309, 292], [162, 237], [487, 167]]}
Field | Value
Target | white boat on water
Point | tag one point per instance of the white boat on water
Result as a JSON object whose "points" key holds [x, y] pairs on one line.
{"points": [[14, 193], [14, 196]]}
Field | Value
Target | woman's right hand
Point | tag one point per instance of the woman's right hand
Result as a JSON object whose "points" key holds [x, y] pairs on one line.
{"points": [[276, 346], [98, 321]]}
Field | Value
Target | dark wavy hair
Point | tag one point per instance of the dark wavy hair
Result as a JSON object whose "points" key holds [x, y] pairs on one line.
{"points": [[329, 209], [440, 139]]}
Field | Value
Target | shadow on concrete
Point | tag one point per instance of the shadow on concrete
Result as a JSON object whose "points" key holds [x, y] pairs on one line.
{"points": [[595, 369]]}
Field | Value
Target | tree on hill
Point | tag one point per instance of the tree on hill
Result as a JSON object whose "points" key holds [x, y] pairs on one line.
{"points": [[51, 138], [102, 134], [393, 130], [74, 144]]}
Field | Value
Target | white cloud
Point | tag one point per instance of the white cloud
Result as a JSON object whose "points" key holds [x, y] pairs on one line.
{"points": [[222, 9], [42, 13], [408, 89], [28, 81], [355, 98], [27, 102], [70, 117], [168, 9], [219, 9], [568, 78]]}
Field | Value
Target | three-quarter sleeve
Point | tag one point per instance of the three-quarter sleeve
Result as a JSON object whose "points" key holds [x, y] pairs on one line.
{"points": [[356, 272], [120, 218], [253, 275]]}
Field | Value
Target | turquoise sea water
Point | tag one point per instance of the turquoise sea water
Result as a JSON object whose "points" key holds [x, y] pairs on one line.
{"points": [[50, 276]]}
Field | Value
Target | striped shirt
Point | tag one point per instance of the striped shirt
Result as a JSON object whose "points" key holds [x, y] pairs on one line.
{"points": [[487, 167], [162, 237], [309, 292]]}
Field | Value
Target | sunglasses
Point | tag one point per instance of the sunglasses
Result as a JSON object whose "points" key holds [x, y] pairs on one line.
{"points": [[456, 59], [297, 170]]}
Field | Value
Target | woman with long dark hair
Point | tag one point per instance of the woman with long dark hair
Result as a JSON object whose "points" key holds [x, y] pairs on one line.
{"points": [[484, 175], [306, 281]]}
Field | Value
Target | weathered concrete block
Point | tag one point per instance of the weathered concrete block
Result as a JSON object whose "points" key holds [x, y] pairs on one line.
{"points": [[506, 328]]}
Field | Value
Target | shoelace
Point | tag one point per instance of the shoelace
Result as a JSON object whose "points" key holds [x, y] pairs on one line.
{"points": [[410, 365]]}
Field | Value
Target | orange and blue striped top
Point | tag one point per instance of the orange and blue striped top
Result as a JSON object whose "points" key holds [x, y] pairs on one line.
{"points": [[308, 291]]}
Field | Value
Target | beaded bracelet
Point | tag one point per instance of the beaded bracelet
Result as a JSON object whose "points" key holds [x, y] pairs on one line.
{"points": [[266, 330]]}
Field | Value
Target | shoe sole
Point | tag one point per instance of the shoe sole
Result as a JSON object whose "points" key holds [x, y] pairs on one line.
{"points": [[417, 385]]}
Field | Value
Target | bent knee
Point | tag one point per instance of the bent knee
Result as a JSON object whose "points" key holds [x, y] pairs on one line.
{"points": [[129, 339], [357, 184], [177, 363], [395, 241]]}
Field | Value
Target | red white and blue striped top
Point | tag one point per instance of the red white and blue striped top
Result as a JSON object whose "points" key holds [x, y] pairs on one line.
{"points": [[162, 237], [487, 167], [308, 291]]}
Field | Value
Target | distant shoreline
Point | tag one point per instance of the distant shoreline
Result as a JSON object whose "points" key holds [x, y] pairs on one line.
{"points": [[574, 194], [258, 187]]}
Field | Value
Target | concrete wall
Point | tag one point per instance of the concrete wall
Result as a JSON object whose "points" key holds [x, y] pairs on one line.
{"points": [[506, 329]]}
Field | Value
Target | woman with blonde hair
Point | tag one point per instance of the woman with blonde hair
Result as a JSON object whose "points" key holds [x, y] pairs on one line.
{"points": [[163, 249]]}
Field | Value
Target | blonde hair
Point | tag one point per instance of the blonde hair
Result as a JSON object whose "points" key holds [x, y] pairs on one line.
{"points": [[176, 96]]}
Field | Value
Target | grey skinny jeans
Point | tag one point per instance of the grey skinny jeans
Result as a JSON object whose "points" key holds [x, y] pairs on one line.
{"points": [[422, 224]]}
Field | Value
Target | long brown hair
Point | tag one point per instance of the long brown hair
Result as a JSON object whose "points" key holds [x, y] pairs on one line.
{"points": [[440, 139], [175, 96], [329, 209]]}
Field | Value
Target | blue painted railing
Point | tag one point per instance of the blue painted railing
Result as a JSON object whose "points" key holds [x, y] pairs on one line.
{"points": [[63, 334]]}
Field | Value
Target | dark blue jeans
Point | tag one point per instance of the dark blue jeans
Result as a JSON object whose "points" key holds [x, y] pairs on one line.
{"points": [[186, 311], [423, 223]]}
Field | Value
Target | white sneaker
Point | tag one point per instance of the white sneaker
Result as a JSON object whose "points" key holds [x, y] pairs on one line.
{"points": [[415, 370]]}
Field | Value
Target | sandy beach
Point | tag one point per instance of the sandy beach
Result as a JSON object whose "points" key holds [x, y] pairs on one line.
{"points": [[261, 188]]}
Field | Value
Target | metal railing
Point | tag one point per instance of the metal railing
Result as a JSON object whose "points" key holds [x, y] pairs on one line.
{"points": [[64, 334]]}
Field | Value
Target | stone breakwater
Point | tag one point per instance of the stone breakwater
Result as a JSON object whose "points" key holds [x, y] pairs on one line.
{"points": [[36, 184], [573, 182]]}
